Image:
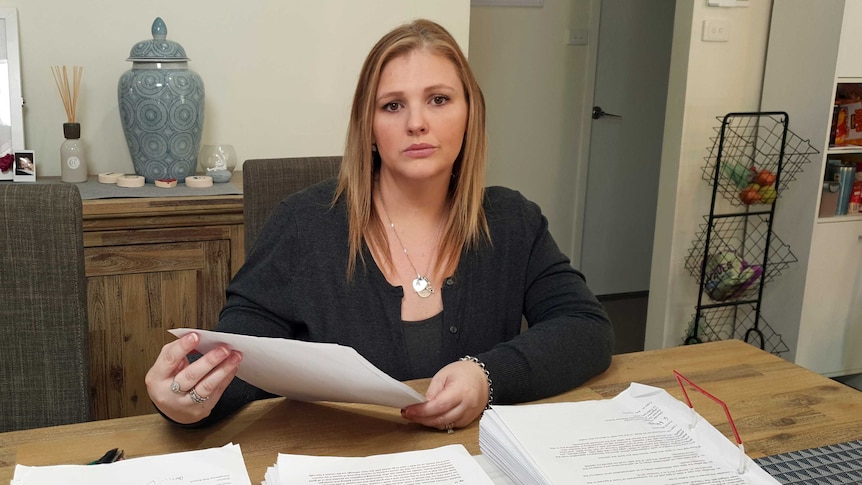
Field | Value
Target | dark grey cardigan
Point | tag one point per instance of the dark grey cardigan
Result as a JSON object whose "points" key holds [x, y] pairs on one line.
{"points": [[294, 285]]}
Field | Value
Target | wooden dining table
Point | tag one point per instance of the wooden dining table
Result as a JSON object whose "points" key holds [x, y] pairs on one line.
{"points": [[777, 407]]}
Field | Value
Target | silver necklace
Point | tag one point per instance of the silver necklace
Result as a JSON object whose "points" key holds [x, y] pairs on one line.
{"points": [[421, 284]]}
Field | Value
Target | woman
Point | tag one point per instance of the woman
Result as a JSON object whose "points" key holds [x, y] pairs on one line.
{"points": [[407, 259]]}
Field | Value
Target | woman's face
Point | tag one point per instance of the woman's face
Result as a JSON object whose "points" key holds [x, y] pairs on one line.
{"points": [[420, 116]]}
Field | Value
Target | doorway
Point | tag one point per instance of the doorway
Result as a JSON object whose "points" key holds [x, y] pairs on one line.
{"points": [[630, 93]]}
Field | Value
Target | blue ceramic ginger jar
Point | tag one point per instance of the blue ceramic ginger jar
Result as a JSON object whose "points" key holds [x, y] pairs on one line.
{"points": [[161, 108]]}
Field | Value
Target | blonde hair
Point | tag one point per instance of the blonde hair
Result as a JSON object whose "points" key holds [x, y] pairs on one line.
{"points": [[466, 226]]}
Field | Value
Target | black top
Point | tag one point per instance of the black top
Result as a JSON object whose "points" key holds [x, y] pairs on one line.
{"points": [[294, 285], [422, 340]]}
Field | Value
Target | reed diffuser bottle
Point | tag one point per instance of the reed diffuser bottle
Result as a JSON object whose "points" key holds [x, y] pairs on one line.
{"points": [[73, 162], [74, 165]]}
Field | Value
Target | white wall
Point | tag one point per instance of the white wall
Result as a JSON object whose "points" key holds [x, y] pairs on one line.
{"points": [[279, 74], [707, 80], [534, 86]]}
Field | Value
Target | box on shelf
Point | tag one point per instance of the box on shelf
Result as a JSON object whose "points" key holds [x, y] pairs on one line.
{"points": [[848, 128]]}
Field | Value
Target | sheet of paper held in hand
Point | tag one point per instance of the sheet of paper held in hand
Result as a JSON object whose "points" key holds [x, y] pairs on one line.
{"points": [[447, 465], [308, 371], [643, 436], [213, 466]]}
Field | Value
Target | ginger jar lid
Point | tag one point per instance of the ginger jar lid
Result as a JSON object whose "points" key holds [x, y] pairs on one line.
{"points": [[159, 48]]}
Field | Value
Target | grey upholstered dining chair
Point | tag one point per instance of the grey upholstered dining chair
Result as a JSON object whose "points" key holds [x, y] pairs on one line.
{"points": [[267, 181], [44, 371]]}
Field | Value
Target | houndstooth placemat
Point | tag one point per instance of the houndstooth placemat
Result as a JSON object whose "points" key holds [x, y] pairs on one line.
{"points": [[838, 464]]}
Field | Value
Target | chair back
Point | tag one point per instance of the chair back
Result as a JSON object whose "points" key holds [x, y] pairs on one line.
{"points": [[44, 357], [266, 182]]}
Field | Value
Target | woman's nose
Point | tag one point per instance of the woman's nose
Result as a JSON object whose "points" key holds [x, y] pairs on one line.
{"points": [[416, 122]]}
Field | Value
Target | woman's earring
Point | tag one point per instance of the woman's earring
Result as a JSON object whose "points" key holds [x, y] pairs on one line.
{"points": [[374, 147]]}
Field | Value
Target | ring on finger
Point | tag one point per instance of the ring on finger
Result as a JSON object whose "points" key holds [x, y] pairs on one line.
{"points": [[175, 387], [197, 398], [450, 428]]}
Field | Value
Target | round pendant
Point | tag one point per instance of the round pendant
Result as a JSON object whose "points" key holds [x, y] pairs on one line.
{"points": [[422, 286], [420, 283]]}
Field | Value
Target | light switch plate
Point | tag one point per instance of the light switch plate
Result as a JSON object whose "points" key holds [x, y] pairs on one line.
{"points": [[577, 36], [716, 30], [727, 3]]}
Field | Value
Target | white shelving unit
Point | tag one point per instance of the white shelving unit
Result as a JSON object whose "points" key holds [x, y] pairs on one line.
{"points": [[814, 46]]}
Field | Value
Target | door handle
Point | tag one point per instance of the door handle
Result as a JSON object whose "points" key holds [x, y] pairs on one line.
{"points": [[598, 112]]}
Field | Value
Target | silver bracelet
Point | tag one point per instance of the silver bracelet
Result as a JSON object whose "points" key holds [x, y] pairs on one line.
{"points": [[487, 376]]}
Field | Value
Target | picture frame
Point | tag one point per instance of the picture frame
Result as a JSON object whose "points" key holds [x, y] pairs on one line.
{"points": [[25, 166], [507, 3], [11, 100]]}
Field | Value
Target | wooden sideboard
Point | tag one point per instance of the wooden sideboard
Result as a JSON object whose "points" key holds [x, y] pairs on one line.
{"points": [[152, 264]]}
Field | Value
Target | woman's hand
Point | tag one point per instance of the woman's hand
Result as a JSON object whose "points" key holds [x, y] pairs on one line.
{"points": [[457, 395], [187, 392]]}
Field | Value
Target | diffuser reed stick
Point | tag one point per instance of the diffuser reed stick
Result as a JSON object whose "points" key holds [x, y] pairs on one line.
{"points": [[68, 92]]}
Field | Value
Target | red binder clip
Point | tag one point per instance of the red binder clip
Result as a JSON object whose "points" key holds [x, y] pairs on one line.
{"points": [[680, 378]]}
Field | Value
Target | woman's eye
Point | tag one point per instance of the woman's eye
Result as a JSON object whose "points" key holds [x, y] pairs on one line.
{"points": [[391, 106], [438, 100]]}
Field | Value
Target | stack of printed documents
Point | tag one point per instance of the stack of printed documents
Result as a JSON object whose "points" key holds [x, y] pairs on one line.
{"points": [[222, 466], [447, 465], [643, 436]]}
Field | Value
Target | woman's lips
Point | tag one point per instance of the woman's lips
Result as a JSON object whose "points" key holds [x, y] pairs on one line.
{"points": [[419, 150]]}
